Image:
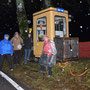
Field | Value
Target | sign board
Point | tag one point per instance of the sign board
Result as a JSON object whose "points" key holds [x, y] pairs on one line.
{"points": [[60, 10], [41, 24], [30, 30], [41, 28]]}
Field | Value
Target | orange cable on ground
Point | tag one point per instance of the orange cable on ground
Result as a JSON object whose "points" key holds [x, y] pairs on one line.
{"points": [[65, 65], [77, 74]]}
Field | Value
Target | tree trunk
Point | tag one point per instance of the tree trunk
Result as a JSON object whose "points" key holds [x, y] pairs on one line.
{"points": [[47, 4], [21, 16]]}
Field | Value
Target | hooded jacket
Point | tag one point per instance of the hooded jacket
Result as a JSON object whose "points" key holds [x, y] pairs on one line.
{"points": [[6, 46], [16, 41], [28, 43], [47, 49]]}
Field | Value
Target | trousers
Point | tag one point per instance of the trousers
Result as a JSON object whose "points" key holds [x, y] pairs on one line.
{"points": [[27, 55], [2, 60], [17, 56]]}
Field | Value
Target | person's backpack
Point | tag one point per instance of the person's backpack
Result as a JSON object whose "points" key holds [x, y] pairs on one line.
{"points": [[54, 50]]}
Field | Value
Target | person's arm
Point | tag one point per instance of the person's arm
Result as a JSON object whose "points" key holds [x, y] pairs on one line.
{"points": [[24, 41], [0, 47], [1, 44], [21, 40], [11, 48], [11, 40]]}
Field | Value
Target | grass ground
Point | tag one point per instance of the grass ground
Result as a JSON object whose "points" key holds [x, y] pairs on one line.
{"points": [[61, 80]]}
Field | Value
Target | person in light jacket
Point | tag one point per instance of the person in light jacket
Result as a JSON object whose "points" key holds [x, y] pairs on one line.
{"points": [[17, 42], [6, 49]]}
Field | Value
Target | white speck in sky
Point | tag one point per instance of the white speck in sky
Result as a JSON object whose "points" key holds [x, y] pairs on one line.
{"points": [[74, 21], [10, 28], [32, 1], [70, 34], [80, 1], [81, 26], [70, 15], [88, 14], [87, 28], [9, 1], [81, 30]]}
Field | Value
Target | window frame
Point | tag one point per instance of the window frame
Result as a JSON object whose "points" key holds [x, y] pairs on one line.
{"points": [[65, 24], [39, 30]]}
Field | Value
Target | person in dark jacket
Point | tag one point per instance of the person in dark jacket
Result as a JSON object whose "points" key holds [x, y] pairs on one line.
{"points": [[28, 46], [6, 49]]}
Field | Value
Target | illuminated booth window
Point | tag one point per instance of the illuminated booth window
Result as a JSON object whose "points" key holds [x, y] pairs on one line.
{"points": [[60, 26], [41, 28]]}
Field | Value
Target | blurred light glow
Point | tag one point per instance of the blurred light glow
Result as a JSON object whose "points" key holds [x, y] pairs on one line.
{"points": [[9, 1], [81, 30], [70, 15], [70, 34], [29, 21], [80, 1], [74, 21], [26, 31], [32, 1], [87, 28], [88, 14], [81, 26]]}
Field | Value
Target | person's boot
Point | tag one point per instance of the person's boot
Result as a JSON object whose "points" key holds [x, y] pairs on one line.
{"points": [[48, 76], [42, 72]]}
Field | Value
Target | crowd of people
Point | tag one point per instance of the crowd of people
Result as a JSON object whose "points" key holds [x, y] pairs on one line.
{"points": [[13, 48]]}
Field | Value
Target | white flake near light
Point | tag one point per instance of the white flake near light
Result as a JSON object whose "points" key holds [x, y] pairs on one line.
{"points": [[9, 1], [87, 28], [81, 30], [88, 14], [80, 1], [70, 15], [81, 26], [70, 34], [20, 6], [10, 28], [26, 31], [29, 21], [32, 1], [74, 21], [57, 3]]}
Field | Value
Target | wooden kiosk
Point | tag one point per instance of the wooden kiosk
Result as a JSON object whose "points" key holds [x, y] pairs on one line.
{"points": [[52, 22]]}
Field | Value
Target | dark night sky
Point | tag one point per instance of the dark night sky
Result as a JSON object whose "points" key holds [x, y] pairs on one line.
{"points": [[79, 11]]}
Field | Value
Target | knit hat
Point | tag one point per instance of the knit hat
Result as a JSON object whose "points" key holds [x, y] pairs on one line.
{"points": [[46, 37]]}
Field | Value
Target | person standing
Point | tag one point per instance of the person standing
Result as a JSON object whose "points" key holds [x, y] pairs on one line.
{"points": [[28, 46], [17, 42], [6, 49], [46, 57]]}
